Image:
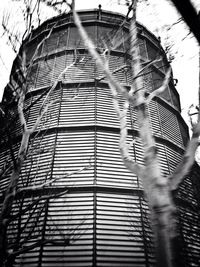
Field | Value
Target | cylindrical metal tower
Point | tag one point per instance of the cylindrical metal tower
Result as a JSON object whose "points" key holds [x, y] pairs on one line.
{"points": [[94, 216]]}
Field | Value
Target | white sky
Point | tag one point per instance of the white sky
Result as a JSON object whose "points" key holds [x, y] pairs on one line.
{"points": [[155, 16]]}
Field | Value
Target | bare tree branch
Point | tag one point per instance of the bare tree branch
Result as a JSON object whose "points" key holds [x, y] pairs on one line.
{"points": [[49, 182], [162, 88], [115, 89], [187, 161], [146, 66], [99, 61]]}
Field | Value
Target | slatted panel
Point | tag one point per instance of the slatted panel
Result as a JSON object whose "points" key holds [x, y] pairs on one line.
{"points": [[142, 49], [154, 53], [154, 118], [31, 50], [14, 124], [173, 158], [45, 72], [74, 151], [114, 63], [126, 41], [77, 107], [50, 44], [190, 230], [63, 37], [162, 159], [100, 73], [36, 169], [147, 233], [168, 122], [133, 116], [70, 227], [59, 66], [110, 168], [32, 75], [138, 148], [147, 80], [186, 191], [157, 82], [26, 231], [119, 231], [75, 41], [82, 70], [128, 72], [106, 114], [50, 118], [5, 168], [113, 38]]}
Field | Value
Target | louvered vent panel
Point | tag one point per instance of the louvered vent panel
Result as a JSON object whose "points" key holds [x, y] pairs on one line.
{"points": [[133, 116], [99, 72], [14, 127], [45, 72], [112, 38], [14, 124], [186, 191], [154, 118], [173, 158], [37, 167], [81, 67], [169, 124], [128, 72], [63, 36], [59, 66], [32, 75], [142, 49], [126, 41], [50, 44], [138, 148], [75, 41], [147, 80], [69, 226], [119, 231], [147, 232], [162, 159], [31, 50], [190, 230], [26, 231], [6, 164], [110, 167], [77, 107], [157, 82], [114, 63], [106, 114], [50, 118], [74, 159], [154, 53], [35, 102]]}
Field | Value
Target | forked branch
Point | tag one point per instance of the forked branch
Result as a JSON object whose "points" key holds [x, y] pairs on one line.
{"points": [[116, 89], [162, 88]]}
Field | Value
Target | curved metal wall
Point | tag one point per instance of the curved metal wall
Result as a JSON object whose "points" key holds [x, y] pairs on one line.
{"points": [[101, 219]]}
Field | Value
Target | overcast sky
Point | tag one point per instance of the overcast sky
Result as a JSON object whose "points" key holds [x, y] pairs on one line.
{"points": [[156, 15]]}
